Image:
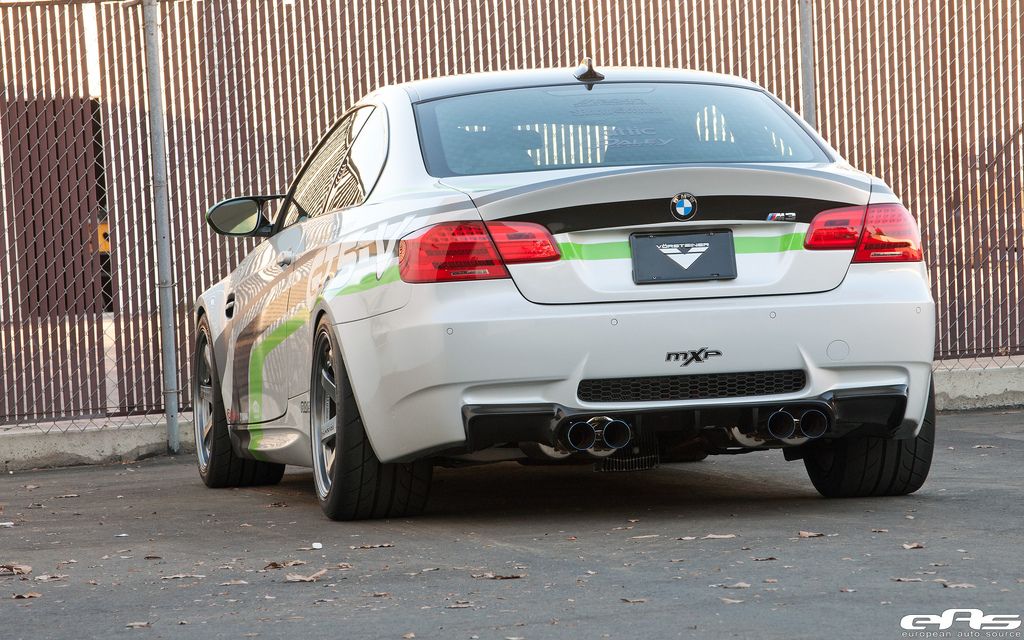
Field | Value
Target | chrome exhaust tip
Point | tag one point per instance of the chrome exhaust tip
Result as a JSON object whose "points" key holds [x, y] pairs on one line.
{"points": [[580, 436], [814, 423], [616, 434], [781, 424]]}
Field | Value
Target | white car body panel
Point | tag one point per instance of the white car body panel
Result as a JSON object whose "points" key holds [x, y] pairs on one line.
{"points": [[418, 354]]}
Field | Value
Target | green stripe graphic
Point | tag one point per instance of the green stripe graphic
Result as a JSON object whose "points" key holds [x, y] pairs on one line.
{"points": [[620, 250]]}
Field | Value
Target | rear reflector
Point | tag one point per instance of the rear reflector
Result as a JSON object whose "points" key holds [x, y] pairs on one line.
{"points": [[877, 233], [520, 242], [890, 235], [448, 252]]}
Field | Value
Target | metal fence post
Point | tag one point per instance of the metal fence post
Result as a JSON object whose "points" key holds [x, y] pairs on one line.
{"points": [[161, 213], [807, 101]]}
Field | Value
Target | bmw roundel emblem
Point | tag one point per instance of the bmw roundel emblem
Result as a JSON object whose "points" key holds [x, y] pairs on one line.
{"points": [[684, 206]]}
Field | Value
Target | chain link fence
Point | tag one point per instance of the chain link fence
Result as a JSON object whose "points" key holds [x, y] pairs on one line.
{"points": [[926, 95]]}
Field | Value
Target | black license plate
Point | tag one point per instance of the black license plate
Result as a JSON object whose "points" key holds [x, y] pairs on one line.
{"points": [[683, 257]]}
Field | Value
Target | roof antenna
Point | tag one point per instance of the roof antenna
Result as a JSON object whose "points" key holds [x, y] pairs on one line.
{"points": [[587, 73]]}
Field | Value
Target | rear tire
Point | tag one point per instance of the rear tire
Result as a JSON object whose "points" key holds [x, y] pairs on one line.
{"points": [[351, 483], [218, 465], [860, 467]]}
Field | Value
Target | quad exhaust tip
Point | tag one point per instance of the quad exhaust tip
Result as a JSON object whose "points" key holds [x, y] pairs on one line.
{"points": [[580, 436], [813, 423], [781, 424], [616, 434]]}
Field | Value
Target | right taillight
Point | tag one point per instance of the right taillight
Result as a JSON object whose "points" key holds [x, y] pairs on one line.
{"points": [[877, 233], [890, 235]]}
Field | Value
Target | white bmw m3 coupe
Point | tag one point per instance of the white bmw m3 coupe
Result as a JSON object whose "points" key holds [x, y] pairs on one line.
{"points": [[622, 267]]}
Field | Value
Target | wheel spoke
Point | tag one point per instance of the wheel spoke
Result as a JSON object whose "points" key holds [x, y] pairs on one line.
{"points": [[206, 393], [207, 359], [328, 431], [207, 429], [327, 382]]}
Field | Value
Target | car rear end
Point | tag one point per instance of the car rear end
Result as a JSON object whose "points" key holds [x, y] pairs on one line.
{"points": [[654, 266]]}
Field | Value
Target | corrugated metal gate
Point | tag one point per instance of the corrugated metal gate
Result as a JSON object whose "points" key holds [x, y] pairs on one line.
{"points": [[926, 95]]}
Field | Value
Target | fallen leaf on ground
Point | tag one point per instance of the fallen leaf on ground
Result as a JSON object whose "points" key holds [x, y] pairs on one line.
{"points": [[730, 600], [281, 565], [810, 534], [15, 569], [771, 581], [276, 504], [460, 604], [231, 583], [382, 545], [678, 560], [182, 576], [634, 600], [30, 486], [27, 595], [66, 495], [984, 446], [138, 625], [297, 577], [846, 590], [650, 535], [719, 536], [50, 578], [344, 566], [497, 576], [765, 559], [152, 557], [958, 585], [687, 538], [913, 545], [907, 580], [6, 525], [879, 531], [409, 636], [738, 585]]}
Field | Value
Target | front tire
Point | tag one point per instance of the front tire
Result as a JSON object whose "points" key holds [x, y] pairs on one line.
{"points": [[351, 482], [218, 464], [860, 467]]}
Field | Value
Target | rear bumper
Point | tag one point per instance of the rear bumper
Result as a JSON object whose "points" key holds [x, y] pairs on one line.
{"points": [[426, 375], [874, 411]]}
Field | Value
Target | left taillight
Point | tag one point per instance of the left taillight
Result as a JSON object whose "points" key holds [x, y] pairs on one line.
{"points": [[470, 250], [449, 252]]}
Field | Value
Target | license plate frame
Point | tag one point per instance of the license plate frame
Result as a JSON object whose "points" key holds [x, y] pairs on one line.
{"points": [[687, 256]]}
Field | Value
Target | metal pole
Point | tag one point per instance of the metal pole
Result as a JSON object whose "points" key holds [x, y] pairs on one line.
{"points": [[807, 101], [161, 213]]}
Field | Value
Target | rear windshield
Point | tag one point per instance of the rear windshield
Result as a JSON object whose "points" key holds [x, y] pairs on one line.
{"points": [[566, 127]]}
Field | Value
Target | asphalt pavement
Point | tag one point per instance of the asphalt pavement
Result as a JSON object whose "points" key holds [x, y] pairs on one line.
{"points": [[711, 549]]}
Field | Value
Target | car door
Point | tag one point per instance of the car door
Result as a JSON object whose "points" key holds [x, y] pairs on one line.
{"points": [[274, 367], [335, 239], [256, 302]]}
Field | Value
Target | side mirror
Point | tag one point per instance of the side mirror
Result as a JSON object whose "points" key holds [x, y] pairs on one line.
{"points": [[243, 216]]}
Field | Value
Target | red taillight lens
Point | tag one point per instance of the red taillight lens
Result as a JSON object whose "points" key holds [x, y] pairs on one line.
{"points": [[879, 233], [520, 242], [835, 229], [890, 235], [448, 252]]}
